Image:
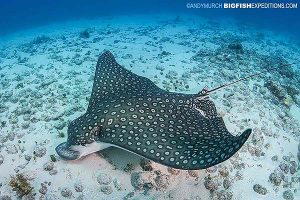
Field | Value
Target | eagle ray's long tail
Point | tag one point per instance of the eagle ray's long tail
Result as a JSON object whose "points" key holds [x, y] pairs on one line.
{"points": [[207, 92]]}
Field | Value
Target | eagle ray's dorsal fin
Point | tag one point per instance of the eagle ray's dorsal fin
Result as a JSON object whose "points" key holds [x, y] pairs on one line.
{"points": [[204, 90]]}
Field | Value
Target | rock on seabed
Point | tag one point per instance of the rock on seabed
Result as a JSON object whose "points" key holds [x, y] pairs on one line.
{"points": [[104, 179], [260, 189]]}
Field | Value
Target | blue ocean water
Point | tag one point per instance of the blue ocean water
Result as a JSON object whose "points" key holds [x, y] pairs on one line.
{"points": [[17, 14]]}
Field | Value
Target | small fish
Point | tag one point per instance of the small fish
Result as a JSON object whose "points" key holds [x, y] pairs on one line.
{"points": [[182, 131]]}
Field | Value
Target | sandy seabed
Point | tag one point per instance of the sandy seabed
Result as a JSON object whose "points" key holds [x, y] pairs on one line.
{"points": [[46, 79]]}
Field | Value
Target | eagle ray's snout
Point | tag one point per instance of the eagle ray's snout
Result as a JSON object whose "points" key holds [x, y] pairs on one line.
{"points": [[64, 151]]}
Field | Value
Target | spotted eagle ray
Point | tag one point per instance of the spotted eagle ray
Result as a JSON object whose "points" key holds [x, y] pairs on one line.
{"points": [[128, 111]]}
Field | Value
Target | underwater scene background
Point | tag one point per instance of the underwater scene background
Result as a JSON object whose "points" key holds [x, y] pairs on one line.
{"points": [[48, 56]]}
